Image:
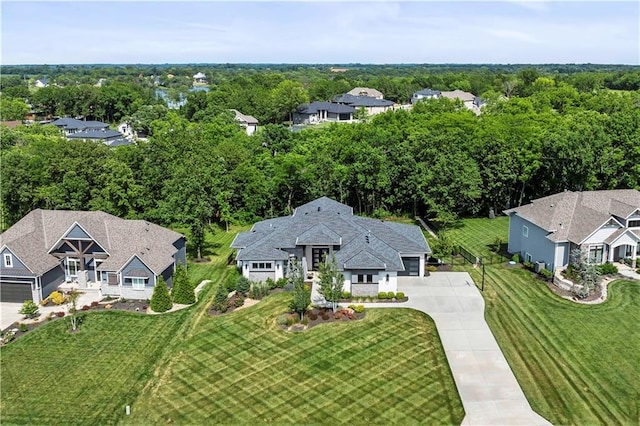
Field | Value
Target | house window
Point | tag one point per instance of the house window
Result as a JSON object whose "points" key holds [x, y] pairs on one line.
{"points": [[527, 257], [261, 265], [634, 224], [364, 279], [72, 267], [595, 253], [8, 261], [525, 231], [138, 283]]}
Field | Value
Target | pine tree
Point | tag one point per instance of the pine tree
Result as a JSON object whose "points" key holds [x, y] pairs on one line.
{"points": [[220, 302], [161, 300], [182, 291]]}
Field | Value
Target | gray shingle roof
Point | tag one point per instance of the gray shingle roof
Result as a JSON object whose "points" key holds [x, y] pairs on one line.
{"points": [[334, 108], [428, 92], [361, 101], [34, 235], [573, 216], [95, 134], [242, 118], [366, 91], [69, 123], [364, 243], [459, 94]]}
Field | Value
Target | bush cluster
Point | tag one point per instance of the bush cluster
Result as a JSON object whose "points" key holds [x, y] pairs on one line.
{"points": [[346, 295], [547, 274], [56, 298], [358, 309], [243, 285], [220, 299], [161, 300], [431, 268], [29, 309], [238, 301], [607, 269], [258, 290], [400, 295], [386, 295]]}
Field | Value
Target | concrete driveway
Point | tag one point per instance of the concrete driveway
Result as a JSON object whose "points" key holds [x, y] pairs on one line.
{"points": [[9, 314], [488, 389]]}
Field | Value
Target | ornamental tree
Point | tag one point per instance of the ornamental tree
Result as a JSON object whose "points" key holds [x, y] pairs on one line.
{"points": [[182, 290], [161, 300], [331, 281]]}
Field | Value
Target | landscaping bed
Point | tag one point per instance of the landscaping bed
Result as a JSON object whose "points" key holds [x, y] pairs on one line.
{"points": [[315, 316]]}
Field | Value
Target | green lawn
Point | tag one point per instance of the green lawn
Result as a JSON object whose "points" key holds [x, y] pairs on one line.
{"points": [[577, 364], [479, 235], [191, 368]]}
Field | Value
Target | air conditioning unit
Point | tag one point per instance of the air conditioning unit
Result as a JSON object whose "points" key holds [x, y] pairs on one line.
{"points": [[540, 266]]}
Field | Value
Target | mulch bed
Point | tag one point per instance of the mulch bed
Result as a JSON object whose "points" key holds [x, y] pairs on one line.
{"points": [[569, 295], [324, 315], [361, 300]]}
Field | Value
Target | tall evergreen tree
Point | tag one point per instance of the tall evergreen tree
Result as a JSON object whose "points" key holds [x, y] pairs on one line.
{"points": [[182, 291], [331, 281], [161, 300], [301, 296]]}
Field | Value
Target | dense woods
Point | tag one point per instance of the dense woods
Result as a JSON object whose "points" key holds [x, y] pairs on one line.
{"points": [[542, 131]]}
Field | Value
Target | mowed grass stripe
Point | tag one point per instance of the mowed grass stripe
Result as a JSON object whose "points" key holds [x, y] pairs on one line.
{"points": [[335, 372], [568, 357], [478, 235]]}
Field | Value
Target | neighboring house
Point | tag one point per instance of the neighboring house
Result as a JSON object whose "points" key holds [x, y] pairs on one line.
{"points": [[41, 82], [11, 124], [107, 137], [318, 112], [372, 106], [371, 253], [70, 126], [470, 101], [100, 82], [249, 123], [604, 224], [366, 91], [99, 251], [425, 94], [200, 78]]}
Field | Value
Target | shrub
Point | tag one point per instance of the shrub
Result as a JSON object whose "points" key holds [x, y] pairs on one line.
{"points": [[161, 300], [305, 321], [282, 319], [239, 301], [94, 303], [312, 316], [400, 295], [56, 298], [243, 285], [516, 257], [358, 309], [547, 274], [528, 265], [85, 308], [293, 319], [60, 314], [391, 295], [325, 316], [382, 295], [29, 309], [431, 268], [346, 295], [220, 298], [259, 289], [230, 285], [281, 283], [271, 284], [23, 327], [607, 269]]}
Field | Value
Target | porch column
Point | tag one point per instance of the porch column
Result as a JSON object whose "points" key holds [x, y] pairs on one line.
{"points": [[634, 255]]}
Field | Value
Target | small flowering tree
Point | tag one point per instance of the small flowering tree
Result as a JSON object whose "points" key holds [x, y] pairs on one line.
{"points": [[331, 281]]}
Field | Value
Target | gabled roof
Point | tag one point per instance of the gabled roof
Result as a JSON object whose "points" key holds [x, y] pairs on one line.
{"points": [[361, 101], [315, 107], [459, 94], [199, 75], [242, 118], [363, 243], [366, 91], [95, 134], [573, 216], [69, 123], [428, 92], [35, 234]]}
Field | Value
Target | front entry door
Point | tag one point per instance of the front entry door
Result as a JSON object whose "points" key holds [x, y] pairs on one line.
{"points": [[318, 254]]}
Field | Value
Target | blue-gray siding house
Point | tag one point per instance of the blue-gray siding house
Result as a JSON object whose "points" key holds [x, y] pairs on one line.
{"points": [[604, 224], [96, 250], [370, 253]]}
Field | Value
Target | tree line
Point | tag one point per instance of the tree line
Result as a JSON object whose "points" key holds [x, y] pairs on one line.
{"points": [[438, 160]]}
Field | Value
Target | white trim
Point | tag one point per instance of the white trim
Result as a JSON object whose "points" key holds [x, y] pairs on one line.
{"points": [[599, 228], [53, 247], [4, 247], [119, 271], [528, 257], [7, 260], [525, 231], [145, 280]]}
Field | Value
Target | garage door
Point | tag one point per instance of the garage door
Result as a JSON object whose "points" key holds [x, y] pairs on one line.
{"points": [[15, 292], [411, 267]]}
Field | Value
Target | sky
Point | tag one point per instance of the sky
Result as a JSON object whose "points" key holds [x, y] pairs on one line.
{"points": [[323, 32]]}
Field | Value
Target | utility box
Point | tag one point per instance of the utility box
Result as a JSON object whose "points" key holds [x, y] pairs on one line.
{"points": [[539, 266]]}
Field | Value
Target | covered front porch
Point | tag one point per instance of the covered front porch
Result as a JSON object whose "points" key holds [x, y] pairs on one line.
{"points": [[624, 245]]}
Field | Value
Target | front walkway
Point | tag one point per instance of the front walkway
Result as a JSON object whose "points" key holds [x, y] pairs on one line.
{"points": [[488, 389], [627, 271]]}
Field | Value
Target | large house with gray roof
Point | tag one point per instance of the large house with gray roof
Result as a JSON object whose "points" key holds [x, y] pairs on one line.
{"points": [[604, 224], [318, 112], [371, 253], [96, 250]]}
